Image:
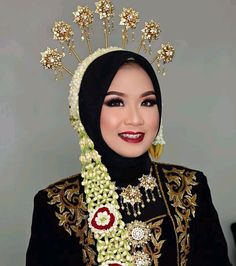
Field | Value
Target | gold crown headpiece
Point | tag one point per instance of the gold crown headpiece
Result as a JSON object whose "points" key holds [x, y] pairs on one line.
{"points": [[84, 18]]}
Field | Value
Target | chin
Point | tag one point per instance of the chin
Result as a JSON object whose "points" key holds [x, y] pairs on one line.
{"points": [[132, 154]]}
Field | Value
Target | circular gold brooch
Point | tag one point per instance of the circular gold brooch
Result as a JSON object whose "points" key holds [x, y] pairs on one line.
{"points": [[139, 233]]}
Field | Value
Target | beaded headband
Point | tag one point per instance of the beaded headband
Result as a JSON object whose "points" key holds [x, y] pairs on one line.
{"points": [[105, 220]]}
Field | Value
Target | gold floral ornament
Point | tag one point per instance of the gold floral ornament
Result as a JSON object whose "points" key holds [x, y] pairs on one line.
{"points": [[129, 19], [51, 59], [64, 34], [84, 18], [139, 233], [150, 32], [164, 55], [131, 195], [105, 9], [141, 258], [149, 183]]}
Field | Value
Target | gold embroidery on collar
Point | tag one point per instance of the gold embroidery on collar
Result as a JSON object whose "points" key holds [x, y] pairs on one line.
{"points": [[180, 184], [72, 214]]}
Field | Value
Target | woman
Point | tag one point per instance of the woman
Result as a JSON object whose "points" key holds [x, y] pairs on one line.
{"points": [[124, 209]]}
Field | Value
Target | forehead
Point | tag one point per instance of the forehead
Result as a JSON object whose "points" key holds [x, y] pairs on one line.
{"points": [[131, 65], [131, 76]]}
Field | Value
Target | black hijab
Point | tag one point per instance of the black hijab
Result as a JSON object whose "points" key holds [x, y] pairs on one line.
{"points": [[94, 86]]}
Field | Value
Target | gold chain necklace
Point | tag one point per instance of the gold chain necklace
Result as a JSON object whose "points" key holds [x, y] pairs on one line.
{"points": [[131, 197]]}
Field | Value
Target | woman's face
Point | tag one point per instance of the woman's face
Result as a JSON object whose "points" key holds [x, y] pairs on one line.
{"points": [[129, 117]]}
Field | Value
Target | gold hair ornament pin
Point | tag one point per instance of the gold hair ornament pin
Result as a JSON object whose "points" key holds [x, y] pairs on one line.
{"points": [[84, 17]]}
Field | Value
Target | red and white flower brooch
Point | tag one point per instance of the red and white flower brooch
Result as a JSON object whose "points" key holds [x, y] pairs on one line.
{"points": [[113, 263], [103, 219]]}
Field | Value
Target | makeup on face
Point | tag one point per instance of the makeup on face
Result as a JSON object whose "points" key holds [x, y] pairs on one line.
{"points": [[117, 99], [129, 116]]}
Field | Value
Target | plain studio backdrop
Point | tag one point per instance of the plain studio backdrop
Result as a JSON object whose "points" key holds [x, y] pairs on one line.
{"points": [[38, 145]]}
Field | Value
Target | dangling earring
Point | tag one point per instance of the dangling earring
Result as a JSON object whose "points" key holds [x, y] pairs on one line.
{"points": [[157, 146]]}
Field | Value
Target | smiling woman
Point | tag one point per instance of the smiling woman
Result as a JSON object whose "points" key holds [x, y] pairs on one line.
{"points": [[129, 116], [123, 209]]}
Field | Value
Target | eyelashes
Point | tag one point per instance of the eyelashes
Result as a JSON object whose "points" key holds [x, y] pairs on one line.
{"points": [[149, 102], [114, 102], [118, 102]]}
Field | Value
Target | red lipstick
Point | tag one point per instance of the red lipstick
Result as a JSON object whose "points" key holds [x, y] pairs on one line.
{"points": [[132, 137]]}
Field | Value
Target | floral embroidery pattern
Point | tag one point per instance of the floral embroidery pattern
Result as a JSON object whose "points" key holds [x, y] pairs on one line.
{"points": [[180, 184], [155, 244], [72, 214]]}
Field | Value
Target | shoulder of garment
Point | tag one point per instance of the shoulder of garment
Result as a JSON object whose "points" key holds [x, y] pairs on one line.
{"points": [[199, 234]]}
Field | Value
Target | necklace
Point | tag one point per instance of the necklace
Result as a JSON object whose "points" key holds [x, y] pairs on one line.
{"points": [[131, 197]]}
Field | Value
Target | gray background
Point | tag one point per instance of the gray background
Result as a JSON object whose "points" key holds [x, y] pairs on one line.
{"points": [[37, 144]]}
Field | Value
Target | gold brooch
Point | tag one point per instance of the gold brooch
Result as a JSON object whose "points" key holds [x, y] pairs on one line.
{"points": [[138, 233], [132, 195], [141, 258]]}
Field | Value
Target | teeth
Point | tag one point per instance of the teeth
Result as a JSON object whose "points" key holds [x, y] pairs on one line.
{"points": [[131, 136]]}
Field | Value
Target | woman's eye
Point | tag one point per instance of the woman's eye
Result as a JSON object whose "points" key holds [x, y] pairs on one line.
{"points": [[149, 102], [114, 103]]}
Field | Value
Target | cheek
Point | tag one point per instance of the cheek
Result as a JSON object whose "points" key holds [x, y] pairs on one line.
{"points": [[109, 119], [152, 121]]}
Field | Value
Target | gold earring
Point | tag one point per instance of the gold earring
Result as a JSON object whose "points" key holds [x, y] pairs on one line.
{"points": [[157, 146]]}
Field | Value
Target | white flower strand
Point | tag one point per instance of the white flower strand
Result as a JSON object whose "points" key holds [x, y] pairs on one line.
{"points": [[76, 82], [100, 191], [98, 187]]}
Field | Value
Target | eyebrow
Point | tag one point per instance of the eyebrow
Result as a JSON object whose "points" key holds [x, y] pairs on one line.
{"points": [[124, 95]]}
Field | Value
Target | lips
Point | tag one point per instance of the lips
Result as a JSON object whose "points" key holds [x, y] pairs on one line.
{"points": [[131, 137]]}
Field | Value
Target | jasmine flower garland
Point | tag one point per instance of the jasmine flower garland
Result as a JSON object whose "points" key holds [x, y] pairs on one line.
{"points": [[105, 219]]}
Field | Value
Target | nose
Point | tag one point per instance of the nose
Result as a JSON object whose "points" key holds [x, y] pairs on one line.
{"points": [[133, 116]]}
